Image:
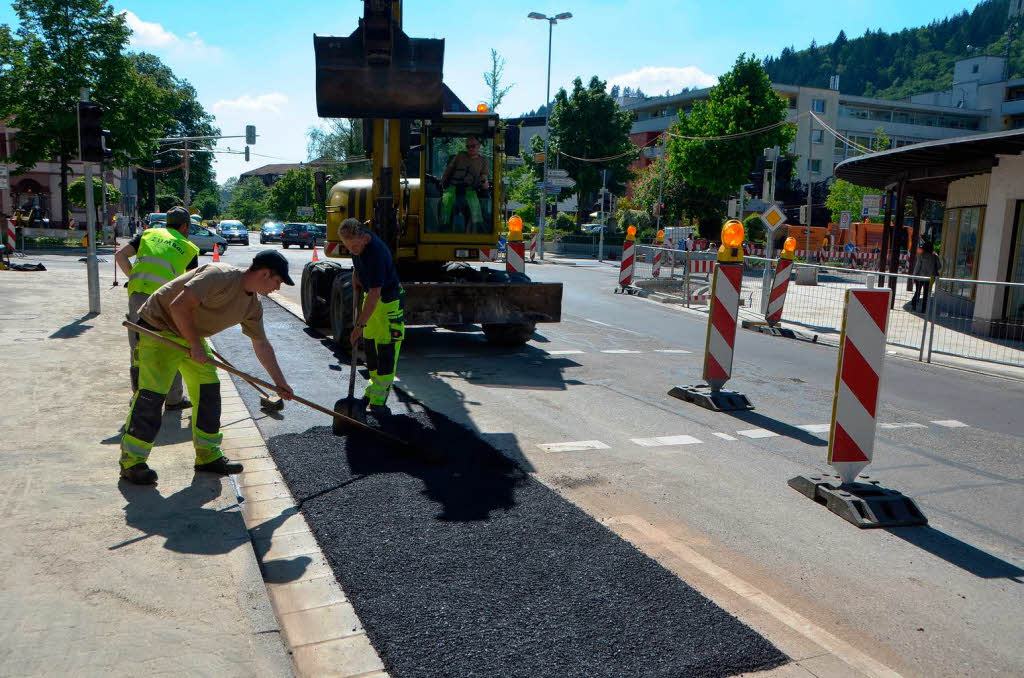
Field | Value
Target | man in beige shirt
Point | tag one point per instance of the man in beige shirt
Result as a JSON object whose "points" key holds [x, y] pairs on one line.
{"points": [[193, 306]]}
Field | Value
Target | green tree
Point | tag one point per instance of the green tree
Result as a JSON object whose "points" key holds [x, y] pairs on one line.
{"points": [[184, 117], [673, 193], [846, 197], [588, 124], [494, 79], [742, 102], [76, 194], [338, 145], [295, 188], [207, 201], [59, 48], [249, 201]]}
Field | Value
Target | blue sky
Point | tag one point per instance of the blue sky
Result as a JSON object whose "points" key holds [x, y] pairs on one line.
{"points": [[252, 62]]}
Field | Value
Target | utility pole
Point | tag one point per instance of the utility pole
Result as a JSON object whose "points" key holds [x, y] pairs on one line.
{"points": [[92, 264], [604, 190], [769, 247], [810, 182], [103, 193], [188, 197], [661, 185]]}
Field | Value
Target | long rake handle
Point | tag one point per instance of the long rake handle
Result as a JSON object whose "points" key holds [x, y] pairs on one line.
{"points": [[255, 380], [251, 383]]}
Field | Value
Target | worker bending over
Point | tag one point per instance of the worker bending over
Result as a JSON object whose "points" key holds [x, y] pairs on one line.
{"points": [[186, 310], [382, 319], [163, 255]]}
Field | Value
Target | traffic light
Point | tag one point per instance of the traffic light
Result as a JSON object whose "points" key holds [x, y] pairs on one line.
{"points": [[757, 178], [783, 171], [247, 154], [250, 135], [92, 138]]}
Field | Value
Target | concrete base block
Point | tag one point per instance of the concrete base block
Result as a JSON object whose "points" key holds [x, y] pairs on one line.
{"points": [[866, 504], [716, 401], [627, 289], [765, 328]]}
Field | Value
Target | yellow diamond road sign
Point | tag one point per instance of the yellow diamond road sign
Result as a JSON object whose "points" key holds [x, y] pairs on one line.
{"points": [[773, 218]]}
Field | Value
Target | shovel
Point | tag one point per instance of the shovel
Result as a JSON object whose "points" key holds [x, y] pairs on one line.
{"points": [[350, 404]]}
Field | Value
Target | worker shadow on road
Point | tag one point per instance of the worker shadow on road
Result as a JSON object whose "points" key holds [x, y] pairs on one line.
{"points": [[778, 427], [187, 526], [958, 553], [74, 329]]}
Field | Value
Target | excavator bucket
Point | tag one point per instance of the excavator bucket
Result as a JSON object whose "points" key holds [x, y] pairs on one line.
{"points": [[378, 76]]}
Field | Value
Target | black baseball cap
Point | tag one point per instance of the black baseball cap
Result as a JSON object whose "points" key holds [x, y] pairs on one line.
{"points": [[276, 262], [176, 216]]}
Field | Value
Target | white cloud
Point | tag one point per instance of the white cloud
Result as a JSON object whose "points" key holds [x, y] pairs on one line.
{"points": [[152, 36], [273, 102], [654, 80]]}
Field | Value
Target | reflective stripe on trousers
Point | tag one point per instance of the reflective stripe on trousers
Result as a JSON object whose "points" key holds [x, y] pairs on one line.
{"points": [[384, 333], [157, 366]]}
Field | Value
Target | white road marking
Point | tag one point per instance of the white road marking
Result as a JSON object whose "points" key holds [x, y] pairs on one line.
{"points": [[724, 436], [671, 350], [574, 446], [596, 322], [901, 425], [950, 423], [621, 329], [620, 351], [564, 352], [757, 433], [663, 441], [815, 428]]}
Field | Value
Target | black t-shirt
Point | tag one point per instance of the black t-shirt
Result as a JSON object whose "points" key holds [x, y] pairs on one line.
{"points": [[376, 268], [136, 243]]}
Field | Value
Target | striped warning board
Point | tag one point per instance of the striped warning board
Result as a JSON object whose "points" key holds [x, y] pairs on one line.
{"points": [[656, 265], [9, 240], [331, 249], [515, 261], [533, 247], [487, 254], [858, 381], [702, 266], [777, 299], [626, 267], [721, 337]]}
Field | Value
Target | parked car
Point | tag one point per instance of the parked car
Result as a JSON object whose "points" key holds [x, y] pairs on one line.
{"points": [[234, 231], [321, 232], [303, 235], [206, 239], [271, 232], [159, 220]]}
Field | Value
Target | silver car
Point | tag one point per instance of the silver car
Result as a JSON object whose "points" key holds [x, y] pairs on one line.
{"points": [[206, 239]]}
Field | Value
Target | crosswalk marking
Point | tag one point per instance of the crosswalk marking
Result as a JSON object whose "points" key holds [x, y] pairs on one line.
{"points": [[757, 433], [893, 425], [574, 446], [950, 423], [724, 436], [619, 351], [671, 350], [663, 441], [815, 428]]}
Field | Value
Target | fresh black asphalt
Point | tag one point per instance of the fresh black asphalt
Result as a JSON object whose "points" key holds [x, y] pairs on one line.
{"points": [[470, 567]]}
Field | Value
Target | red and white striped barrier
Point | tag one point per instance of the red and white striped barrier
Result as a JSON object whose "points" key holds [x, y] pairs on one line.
{"points": [[780, 284], [9, 240], [626, 267], [656, 264], [487, 254], [858, 380], [702, 266], [725, 306], [515, 260], [331, 249], [533, 247]]}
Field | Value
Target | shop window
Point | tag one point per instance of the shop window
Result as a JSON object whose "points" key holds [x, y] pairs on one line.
{"points": [[961, 244]]}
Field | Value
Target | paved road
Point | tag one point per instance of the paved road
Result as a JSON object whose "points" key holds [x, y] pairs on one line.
{"points": [[585, 404]]}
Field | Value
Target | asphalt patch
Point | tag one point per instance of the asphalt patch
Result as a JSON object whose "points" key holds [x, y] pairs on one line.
{"points": [[471, 567]]}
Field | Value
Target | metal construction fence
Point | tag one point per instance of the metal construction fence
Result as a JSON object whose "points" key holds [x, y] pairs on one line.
{"points": [[943, 316]]}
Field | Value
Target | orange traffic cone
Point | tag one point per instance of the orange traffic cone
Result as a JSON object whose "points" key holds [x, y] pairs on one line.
{"points": [[216, 253], [315, 257]]}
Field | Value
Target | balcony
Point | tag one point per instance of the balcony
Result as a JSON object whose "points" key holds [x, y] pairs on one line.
{"points": [[1013, 107]]}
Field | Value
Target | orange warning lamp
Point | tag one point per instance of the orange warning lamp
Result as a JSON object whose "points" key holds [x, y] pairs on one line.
{"points": [[661, 236], [515, 228], [481, 108], [631, 234], [731, 250], [788, 248]]}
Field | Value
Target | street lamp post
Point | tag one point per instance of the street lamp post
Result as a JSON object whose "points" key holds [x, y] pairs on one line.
{"points": [[547, 114]]}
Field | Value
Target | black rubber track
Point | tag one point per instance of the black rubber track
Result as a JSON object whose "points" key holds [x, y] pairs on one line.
{"points": [[472, 567]]}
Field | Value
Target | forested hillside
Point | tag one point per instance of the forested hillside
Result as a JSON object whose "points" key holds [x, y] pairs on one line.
{"points": [[896, 65]]}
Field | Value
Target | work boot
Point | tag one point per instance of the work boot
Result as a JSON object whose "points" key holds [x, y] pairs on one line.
{"points": [[221, 465], [140, 474], [182, 404]]}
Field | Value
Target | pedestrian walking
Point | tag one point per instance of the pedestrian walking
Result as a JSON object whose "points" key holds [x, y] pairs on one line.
{"points": [[926, 265], [162, 255], [187, 310], [381, 321]]}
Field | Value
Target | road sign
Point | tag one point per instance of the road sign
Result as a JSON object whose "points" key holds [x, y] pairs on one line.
{"points": [[544, 184], [871, 203], [773, 218], [734, 208], [304, 211], [5, 177], [844, 220], [554, 190], [513, 161], [564, 182], [538, 158], [553, 172]]}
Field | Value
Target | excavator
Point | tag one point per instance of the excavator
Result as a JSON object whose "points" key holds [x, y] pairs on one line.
{"points": [[435, 223]]}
